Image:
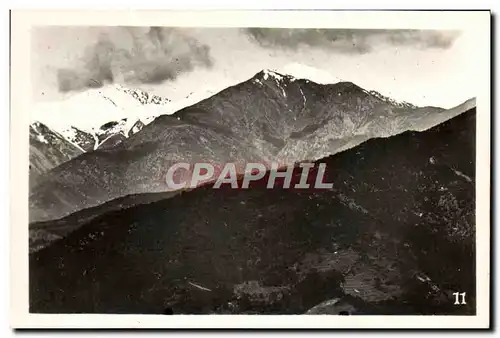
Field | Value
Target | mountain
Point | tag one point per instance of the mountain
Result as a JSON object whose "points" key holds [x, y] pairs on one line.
{"points": [[48, 149], [109, 114], [395, 235], [93, 108], [79, 121], [270, 117]]}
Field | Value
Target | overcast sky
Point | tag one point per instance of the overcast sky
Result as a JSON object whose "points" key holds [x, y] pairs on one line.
{"points": [[422, 67]]}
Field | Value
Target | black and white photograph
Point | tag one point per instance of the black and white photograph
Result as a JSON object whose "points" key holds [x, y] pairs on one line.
{"points": [[255, 169]]}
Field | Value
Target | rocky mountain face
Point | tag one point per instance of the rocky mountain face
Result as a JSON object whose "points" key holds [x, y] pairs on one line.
{"points": [[271, 117], [395, 234], [48, 149]]}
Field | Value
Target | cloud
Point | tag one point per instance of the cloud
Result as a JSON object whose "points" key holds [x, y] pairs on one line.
{"points": [[134, 55], [351, 41]]}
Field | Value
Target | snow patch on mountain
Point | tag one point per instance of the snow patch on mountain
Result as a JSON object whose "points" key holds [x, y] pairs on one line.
{"points": [[270, 73], [42, 139], [303, 98]]}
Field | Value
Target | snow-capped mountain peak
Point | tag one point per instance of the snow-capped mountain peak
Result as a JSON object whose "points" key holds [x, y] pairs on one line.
{"points": [[297, 71], [84, 119], [91, 109]]}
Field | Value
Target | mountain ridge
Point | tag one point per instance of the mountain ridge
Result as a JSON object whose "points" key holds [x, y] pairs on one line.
{"points": [[266, 118]]}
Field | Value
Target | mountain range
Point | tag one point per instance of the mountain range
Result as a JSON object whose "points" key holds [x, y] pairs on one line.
{"points": [[270, 117], [395, 235], [63, 123]]}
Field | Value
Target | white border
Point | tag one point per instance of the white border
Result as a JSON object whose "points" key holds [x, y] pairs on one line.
{"points": [[23, 20]]}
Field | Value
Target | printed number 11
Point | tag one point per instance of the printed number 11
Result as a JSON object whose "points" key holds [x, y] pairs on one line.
{"points": [[458, 297]]}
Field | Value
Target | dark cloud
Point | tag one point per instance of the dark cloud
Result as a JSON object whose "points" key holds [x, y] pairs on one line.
{"points": [[135, 55], [353, 41]]}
